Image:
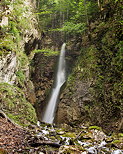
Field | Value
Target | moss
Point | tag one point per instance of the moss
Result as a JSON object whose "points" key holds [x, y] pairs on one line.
{"points": [[72, 149], [1, 52], [18, 21], [10, 104], [116, 141], [47, 52], [95, 127], [7, 44], [23, 59], [71, 135], [16, 106], [20, 77], [23, 64], [120, 134], [13, 100], [60, 130], [100, 63]]}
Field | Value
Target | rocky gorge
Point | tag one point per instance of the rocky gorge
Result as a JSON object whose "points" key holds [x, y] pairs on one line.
{"points": [[89, 114]]}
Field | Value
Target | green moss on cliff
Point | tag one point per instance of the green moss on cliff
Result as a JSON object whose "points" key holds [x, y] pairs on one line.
{"points": [[19, 18], [17, 30], [100, 65], [15, 105]]}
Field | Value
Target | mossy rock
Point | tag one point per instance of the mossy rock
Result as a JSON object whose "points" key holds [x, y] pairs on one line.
{"points": [[60, 130], [120, 134], [74, 149], [16, 106], [117, 143], [86, 136], [69, 134], [95, 127]]}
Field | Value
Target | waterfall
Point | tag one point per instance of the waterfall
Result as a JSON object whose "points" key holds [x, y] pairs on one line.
{"points": [[59, 81]]}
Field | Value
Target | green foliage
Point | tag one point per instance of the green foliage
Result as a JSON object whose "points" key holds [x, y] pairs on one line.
{"points": [[68, 16], [7, 44], [44, 12], [23, 62], [47, 52], [15, 32], [18, 22], [72, 28], [100, 63], [20, 77], [5, 2]]}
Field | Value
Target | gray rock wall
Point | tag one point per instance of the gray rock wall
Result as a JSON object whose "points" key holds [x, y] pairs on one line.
{"points": [[8, 67]]}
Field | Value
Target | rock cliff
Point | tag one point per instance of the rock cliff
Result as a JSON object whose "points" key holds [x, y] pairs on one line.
{"points": [[93, 93], [19, 36]]}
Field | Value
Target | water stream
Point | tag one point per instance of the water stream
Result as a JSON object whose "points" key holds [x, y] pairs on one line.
{"points": [[60, 79]]}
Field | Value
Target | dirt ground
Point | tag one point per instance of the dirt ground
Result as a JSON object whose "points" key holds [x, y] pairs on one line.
{"points": [[12, 138]]}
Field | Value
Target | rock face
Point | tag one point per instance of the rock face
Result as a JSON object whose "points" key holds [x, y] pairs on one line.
{"points": [[71, 109], [4, 21], [19, 36], [94, 92], [43, 70], [29, 39], [8, 67]]}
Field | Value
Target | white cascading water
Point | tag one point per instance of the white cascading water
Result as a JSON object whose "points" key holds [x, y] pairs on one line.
{"points": [[60, 80]]}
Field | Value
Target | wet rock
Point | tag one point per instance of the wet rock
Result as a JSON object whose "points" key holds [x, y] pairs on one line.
{"points": [[45, 132], [42, 77], [66, 127], [65, 140], [117, 152], [85, 152], [84, 144], [61, 133], [105, 150], [98, 135], [71, 107], [118, 143], [109, 139], [102, 144], [92, 150], [51, 139], [70, 149]]}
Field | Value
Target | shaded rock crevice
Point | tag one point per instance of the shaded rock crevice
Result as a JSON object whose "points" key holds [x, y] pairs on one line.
{"points": [[42, 76], [43, 70]]}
